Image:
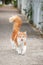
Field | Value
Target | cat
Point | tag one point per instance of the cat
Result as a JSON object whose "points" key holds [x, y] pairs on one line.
{"points": [[21, 41], [17, 22]]}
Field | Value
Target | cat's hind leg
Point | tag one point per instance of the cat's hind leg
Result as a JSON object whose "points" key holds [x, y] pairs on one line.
{"points": [[24, 48], [12, 44]]}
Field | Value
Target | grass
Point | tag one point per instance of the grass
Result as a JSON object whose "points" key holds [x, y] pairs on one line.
{"points": [[1, 5]]}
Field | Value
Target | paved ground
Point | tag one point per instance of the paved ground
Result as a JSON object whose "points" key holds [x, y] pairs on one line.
{"points": [[34, 53]]}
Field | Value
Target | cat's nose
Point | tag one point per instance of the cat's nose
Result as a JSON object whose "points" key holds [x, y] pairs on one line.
{"points": [[21, 39]]}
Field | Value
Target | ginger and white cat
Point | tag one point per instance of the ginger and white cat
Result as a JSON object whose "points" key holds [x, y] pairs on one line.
{"points": [[18, 39], [21, 41]]}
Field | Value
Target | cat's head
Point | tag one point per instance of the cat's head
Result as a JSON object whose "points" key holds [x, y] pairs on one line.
{"points": [[22, 36]]}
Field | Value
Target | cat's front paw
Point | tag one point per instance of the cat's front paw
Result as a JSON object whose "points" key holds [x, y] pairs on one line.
{"points": [[18, 50], [24, 50]]}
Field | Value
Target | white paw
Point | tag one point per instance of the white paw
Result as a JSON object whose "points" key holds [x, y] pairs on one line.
{"points": [[24, 50], [12, 44], [18, 50]]}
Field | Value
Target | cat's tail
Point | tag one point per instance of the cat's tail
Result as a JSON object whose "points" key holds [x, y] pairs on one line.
{"points": [[11, 19], [16, 19]]}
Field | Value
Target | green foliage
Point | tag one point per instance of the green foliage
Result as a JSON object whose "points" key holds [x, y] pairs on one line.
{"points": [[29, 13], [0, 5], [15, 3], [7, 1], [42, 6]]}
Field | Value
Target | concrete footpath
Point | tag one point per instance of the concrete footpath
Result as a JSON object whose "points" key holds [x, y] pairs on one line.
{"points": [[8, 56]]}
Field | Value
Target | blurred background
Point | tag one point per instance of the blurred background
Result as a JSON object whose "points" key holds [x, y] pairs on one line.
{"points": [[31, 13]]}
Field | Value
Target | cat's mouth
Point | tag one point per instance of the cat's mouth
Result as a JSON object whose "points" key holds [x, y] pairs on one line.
{"points": [[21, 39]]}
